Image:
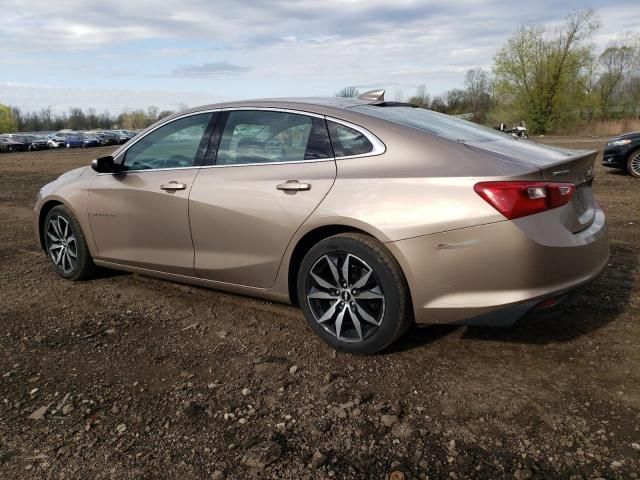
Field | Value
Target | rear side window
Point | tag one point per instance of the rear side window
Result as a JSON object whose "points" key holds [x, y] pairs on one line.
{"points": [[347, 141], [262, 136]]}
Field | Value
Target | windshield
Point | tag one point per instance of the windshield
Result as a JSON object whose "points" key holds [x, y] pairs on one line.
{"points": [[435, 123]]}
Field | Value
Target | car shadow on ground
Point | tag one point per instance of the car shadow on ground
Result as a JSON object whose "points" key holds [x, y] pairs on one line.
{"points": [[103, 273], [598, 305], [617, 172]]}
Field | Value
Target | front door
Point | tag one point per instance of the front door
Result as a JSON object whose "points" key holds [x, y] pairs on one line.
{"points": [[140, 217], [271, 171]]}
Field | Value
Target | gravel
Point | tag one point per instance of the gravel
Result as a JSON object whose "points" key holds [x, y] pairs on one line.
{"points": [[126, 377]]}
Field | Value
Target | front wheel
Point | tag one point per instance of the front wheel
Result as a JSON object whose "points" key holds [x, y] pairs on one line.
{"points": [[66, 246], [633, 164], [353, 293]]}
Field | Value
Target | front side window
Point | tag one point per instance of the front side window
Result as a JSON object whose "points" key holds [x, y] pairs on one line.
{"points": [[173, 145], [261, 136], [347, 141]]}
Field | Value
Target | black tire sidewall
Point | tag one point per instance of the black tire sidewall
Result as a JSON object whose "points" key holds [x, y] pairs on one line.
{"points": [[394, 319], [84, 262]]}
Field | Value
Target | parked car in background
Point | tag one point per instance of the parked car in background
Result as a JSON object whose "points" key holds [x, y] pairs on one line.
{"points": [[31, 142], [9, 145], [623, 152], [124, 135], [56, 140], [108, 138], [80, 140], [39, 142], [369, 215]]}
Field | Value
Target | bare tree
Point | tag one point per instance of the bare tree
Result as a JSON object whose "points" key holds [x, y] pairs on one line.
{"points": [[152, 113], [616, 63], [348, 92], [455, 100], [421, 99], [478, 93]]}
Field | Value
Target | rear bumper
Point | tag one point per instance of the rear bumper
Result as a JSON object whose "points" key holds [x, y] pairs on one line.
{"points": [[494, 274], [543, 307]]}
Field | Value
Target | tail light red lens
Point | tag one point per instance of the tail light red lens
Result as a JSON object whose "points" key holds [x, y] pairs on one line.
{"points": [[519, 199]]}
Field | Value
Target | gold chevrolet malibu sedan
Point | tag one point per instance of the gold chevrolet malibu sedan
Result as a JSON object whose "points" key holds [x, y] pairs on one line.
{"points": [[370, 215]]}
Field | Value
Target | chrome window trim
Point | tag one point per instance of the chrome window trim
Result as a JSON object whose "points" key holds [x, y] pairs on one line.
{"points": [[274, 109], [316, 160], [289, 162], [378, 146]]}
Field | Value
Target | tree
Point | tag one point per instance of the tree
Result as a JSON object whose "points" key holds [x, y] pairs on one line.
{"points": [[7, 120], [617, 63], [456, 101], [152, 113], [438, 104], [92, 118], [421, 99], [77, 119], [479, 93], [16, 113], [348, 92], [538, 70]]}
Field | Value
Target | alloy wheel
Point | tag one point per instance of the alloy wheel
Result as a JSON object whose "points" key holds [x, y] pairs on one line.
{"points": [[635, 164], [345, 296], [61, 244]]}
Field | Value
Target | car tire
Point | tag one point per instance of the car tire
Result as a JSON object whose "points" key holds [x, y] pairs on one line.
{"points": [[66, 245], [633, 164], [364, 312], [68, 145]]}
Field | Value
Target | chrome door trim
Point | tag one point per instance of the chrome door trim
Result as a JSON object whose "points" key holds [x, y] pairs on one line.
{"points": [[315, 160]]}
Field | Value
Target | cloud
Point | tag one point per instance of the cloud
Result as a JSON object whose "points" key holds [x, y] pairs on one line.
{"points": [[270, 48], [208, 70]]}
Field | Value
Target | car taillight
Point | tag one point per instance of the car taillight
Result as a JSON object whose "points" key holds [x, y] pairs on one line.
{"points": [[519, 199]]}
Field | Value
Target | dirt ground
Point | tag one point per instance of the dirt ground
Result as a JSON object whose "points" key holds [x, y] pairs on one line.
{"points": [[137, 378]]}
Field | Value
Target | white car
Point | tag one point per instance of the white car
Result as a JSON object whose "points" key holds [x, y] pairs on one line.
{"points": [[56, 141]]}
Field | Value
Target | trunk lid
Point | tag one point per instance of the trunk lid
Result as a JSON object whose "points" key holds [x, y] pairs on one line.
{"points": [[555, 165]]}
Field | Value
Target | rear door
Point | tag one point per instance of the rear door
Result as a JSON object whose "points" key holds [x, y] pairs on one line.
{"points": [[271, 170]]}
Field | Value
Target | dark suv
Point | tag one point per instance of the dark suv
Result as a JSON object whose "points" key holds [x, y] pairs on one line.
{"points": [[624, 152]]}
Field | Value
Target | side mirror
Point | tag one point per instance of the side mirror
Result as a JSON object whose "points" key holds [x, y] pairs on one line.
{"points": [[105, 165]]}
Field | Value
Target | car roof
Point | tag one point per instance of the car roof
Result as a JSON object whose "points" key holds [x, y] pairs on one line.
{"points": [[320, 105]]}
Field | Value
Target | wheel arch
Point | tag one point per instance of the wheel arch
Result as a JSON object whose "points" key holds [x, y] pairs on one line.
{"points": [[316, 235], [44, 210]]}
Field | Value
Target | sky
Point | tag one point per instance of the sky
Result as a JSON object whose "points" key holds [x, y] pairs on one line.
{"points": [[118, 55]]}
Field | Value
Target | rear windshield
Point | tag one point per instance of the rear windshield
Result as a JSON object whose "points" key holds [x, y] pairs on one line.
{"points": [[432, 122]]}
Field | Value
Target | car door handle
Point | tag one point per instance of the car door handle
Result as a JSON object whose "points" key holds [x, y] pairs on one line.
{"points": [[173, 186], [293, 186]]}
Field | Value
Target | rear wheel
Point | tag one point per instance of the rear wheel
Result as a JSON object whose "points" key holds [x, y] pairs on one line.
{"points": [[66, 246], [633, 164], [353, 293]]}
